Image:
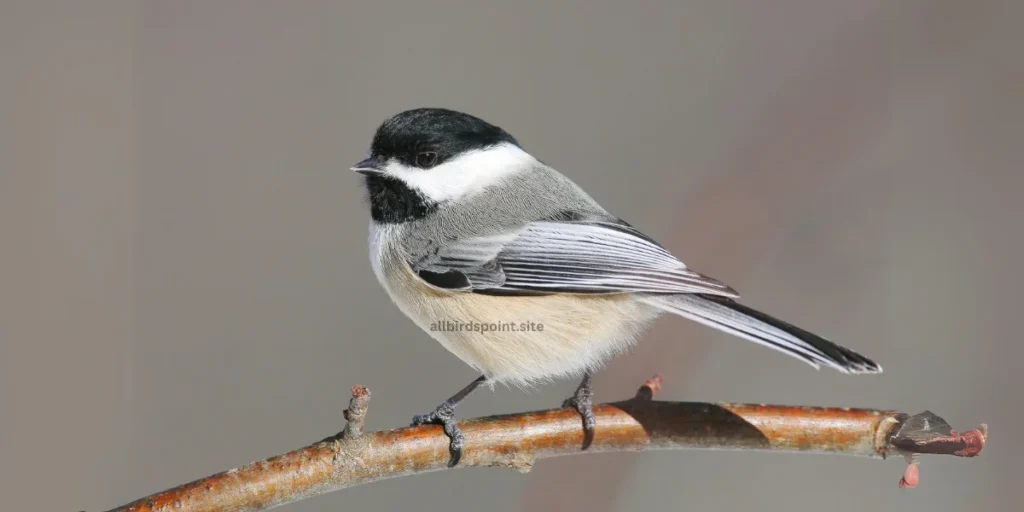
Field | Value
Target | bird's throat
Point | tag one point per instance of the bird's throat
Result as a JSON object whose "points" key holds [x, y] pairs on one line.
{"points": [[393, 202]]}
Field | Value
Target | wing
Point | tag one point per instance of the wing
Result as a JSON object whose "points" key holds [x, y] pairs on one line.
{"points": [[543, 257]]}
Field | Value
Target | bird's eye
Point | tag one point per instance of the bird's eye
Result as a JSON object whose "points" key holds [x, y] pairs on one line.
{"points": [[426, 159]]}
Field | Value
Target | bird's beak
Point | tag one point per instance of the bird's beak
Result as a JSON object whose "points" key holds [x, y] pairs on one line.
{"points": [[369, 167]]}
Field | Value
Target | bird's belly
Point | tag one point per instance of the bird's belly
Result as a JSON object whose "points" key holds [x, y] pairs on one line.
{"points": [[523, 339]]}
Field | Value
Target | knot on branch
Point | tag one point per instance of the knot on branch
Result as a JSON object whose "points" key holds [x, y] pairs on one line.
{"points": [[355, 415]]}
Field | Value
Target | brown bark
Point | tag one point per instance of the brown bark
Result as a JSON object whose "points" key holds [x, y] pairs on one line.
{"points": [[518, 440]]}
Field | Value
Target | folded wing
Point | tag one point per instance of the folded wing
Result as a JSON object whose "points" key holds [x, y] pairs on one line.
{"points": [[581, 257]]}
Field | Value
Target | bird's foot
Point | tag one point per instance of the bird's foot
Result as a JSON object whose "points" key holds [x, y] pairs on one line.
{"points": [[581, 400], [444, 415]]}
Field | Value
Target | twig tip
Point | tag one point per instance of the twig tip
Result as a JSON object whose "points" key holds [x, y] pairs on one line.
{"points": [[974, 441], [360, 391], [650, 388], [928, 433], [356, 412]]}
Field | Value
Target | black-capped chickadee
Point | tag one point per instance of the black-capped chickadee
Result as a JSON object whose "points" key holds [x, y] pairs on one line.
{"points": [[469, 230]]}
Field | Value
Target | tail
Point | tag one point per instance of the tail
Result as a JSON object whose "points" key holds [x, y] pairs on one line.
{"points": [[734, 318]]}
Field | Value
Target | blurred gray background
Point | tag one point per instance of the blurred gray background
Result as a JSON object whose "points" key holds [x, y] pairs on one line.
{"points": [[184, 285]]}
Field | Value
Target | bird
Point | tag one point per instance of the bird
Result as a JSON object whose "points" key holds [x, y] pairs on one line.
{"points": [[519, 273]]}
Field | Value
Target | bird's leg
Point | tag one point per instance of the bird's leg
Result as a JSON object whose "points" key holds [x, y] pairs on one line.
{"points": [[581, 401], [445, 415]]}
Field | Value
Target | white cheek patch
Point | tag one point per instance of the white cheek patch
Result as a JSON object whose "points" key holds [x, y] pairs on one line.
{"points": [[463, 175]]}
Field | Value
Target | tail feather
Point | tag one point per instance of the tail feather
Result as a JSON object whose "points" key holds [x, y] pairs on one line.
{"points": [[730, 316]]}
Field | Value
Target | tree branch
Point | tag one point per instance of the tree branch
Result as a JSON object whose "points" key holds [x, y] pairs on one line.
{"points": [[518, 440]]}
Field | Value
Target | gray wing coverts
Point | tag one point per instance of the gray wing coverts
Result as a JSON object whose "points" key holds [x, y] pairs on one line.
{"points": [[563, 257]]}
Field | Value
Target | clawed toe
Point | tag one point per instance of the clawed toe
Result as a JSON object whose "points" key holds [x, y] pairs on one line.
{"points": [[435, 417], [444, 415], [582, 402]]}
